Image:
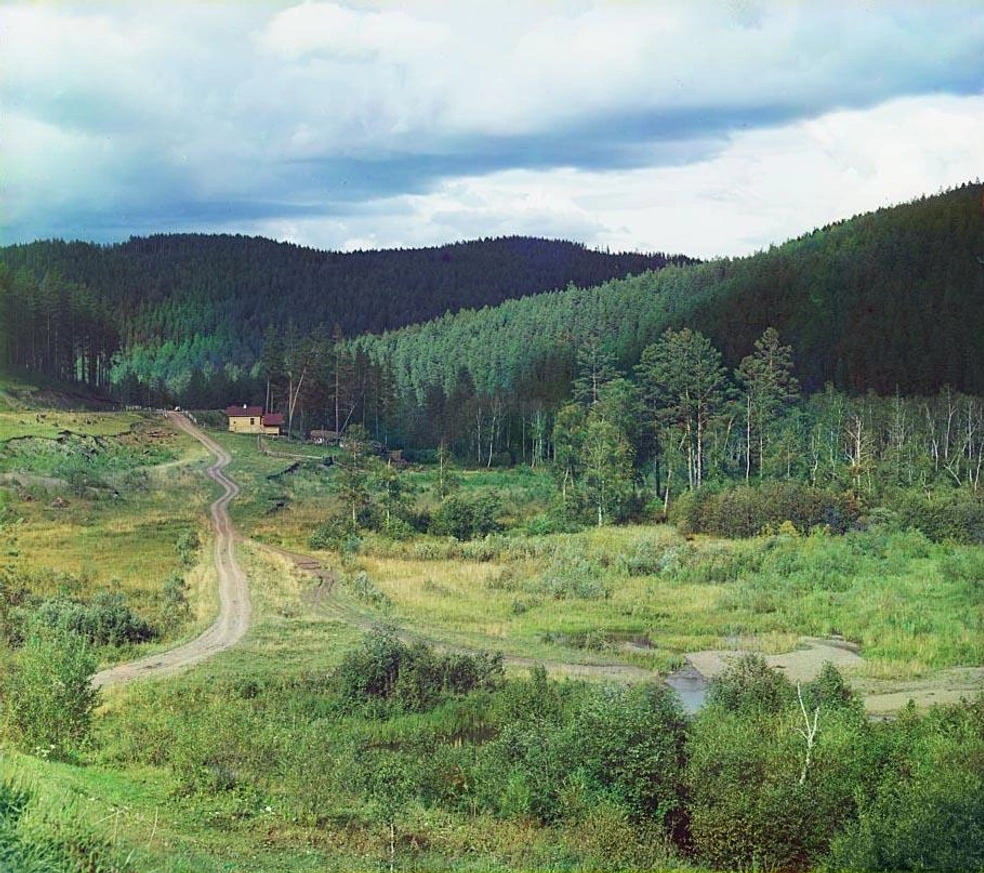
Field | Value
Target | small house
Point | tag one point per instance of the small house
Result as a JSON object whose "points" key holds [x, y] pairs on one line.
{"points": [[252, 419]]}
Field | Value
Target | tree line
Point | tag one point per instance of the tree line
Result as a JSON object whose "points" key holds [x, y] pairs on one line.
{"points": [[683, 421], [56, 328], [190, 303]]}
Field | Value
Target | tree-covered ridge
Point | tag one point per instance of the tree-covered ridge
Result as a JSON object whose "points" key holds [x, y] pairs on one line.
{"points": [[892, 300], [56, 328], [183, 302]]}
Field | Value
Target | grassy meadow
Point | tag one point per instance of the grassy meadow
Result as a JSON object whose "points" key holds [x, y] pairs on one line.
{"points": [[260, 760], [96, 502], [641, 594]]}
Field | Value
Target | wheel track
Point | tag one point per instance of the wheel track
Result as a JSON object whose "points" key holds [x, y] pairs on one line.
{"points": [[232, 622], [327, 601]]}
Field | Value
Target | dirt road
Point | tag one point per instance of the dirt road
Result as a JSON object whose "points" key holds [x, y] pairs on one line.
{"points": [[234, 606], [325, 599]]}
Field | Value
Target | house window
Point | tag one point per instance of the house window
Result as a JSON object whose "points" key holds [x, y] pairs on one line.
{"points": [[252, 421]]}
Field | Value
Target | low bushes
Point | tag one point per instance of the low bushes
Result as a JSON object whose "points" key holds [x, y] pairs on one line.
{"points": [[47, 697], [953, 516], [413, 676], [756, 801], [749, 510], [426, 742], [465, 518], [926, 811], [105, 621]]}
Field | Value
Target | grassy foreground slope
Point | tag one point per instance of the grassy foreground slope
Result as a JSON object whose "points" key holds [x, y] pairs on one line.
{"points": [[266, 758]]}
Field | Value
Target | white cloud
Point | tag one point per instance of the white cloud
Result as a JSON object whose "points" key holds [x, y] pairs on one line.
{"points": [[765, 187], [588, 116], [343, 32]]}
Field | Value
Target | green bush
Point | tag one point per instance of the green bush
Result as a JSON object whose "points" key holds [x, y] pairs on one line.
{"points": [[751, 686], [943, 516], [754, 800], [926, 811], [965, 566], [714, 564], [630, 743], [465, 518], [416, 678], [749, 510], [48, 697], [643, 557], [553, 522], [174, 606], [571, 748], [187, 546], [333, 534], [105, 621], [571, 576]]}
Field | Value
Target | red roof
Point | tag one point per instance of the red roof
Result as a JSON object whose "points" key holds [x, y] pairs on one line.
{"points": [[273, 419], [244, 411]]}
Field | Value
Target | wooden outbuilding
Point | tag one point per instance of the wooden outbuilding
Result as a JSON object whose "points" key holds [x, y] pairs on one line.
{"points": [[252, 419]]}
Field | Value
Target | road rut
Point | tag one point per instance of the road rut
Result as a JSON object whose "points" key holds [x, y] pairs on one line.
{"points": [[234, 607]]}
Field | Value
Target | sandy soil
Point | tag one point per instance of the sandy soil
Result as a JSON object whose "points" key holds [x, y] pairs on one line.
{"points": [[882, 697], [800, 665], [234, 606]]}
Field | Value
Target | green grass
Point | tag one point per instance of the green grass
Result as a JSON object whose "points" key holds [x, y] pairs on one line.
{"points": [[244, 763], [891, 594], [50, 424], [117, 527]]}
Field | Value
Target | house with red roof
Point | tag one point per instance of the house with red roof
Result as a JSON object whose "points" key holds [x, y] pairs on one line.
{"points": [[252, 419]]}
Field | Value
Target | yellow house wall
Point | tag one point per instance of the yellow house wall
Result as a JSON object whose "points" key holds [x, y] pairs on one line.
{"points": [[242, 424]]}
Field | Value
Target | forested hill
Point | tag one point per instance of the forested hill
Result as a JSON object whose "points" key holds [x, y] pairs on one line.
{"points": [[891, 300], [213, 297]]}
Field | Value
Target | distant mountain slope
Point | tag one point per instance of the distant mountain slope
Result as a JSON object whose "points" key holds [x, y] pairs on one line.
{"points": [[884, 301], [888, 300], [226, 290]]}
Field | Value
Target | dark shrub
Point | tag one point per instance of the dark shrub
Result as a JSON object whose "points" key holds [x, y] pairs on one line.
{"points": [[749, 510], [927, 811], [465, 517], [750, 685], [954, 516], [414, 676], [106, 621], [336, 533], [754, 801]]}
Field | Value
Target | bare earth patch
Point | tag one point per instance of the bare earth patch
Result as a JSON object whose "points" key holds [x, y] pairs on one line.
{"points": [[881, 697]]}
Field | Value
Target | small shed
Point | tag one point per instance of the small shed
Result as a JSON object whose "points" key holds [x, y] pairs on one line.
{"points": [[273, 423], [252, 419]]}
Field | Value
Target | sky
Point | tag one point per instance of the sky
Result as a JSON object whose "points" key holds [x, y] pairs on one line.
{"points": [[698, 127]]}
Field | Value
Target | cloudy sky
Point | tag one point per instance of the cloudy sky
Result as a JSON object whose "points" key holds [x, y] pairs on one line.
{"points": [[710, 128]]}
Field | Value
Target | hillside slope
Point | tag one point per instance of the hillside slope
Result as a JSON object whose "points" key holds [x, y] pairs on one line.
{"points": [[213, 297], [891, 300]]}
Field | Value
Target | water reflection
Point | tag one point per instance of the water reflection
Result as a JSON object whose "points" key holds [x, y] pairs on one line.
{"points": [[690, 686]]}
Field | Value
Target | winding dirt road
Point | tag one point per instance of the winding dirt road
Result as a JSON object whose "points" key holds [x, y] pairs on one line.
{"points": [[881, 698], [234, 606]]}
